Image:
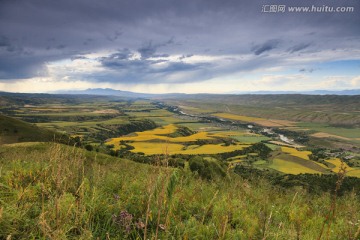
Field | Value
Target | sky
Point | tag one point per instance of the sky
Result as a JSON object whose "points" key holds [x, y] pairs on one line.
{"points": [[188, 46]]}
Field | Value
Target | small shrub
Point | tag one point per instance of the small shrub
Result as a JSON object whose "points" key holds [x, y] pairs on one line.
{"points": [[206, 169]]}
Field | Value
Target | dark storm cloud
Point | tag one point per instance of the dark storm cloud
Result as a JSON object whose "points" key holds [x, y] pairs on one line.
{"points": [[121, 64], [141, 72], [25, 67], [181, 66], [147, 51], [34, 33], [150, 49], [123, 68], [4, 41], [120, 55]]}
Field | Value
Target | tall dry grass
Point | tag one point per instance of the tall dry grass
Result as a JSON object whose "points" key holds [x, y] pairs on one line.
{"points": [[52, 191]]}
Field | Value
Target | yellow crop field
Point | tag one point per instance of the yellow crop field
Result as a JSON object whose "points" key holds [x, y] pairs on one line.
{"points": [[337, 162], [150, 148], [158, 134], [135, 138], [155, 142], [229, 133], [191, 138], [290, 167], [161, 130], [296, 153], [213, 149], [192, 146], [155, 134], [354, 173]]}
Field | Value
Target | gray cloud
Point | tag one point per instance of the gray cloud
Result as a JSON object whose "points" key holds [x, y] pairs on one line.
{"points": [[21, 68], [265, 47], [123, 67], [298, 47], [123, 54], [34, 33], [147, 51], [150, 49], [4, 41]]}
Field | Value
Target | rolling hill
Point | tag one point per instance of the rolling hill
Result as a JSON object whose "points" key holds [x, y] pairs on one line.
{"points": [[13, 131]]}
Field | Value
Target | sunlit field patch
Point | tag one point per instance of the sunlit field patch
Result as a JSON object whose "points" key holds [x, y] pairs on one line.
{"points": [[156, 141], [213, 149], [296, 153], [353, 173], [301, 154], [337, 163], [290, 167], [160, 134], [150, 148]]}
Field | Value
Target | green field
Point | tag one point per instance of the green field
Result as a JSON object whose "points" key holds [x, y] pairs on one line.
{"points": [[351, 133], [251, 138]]}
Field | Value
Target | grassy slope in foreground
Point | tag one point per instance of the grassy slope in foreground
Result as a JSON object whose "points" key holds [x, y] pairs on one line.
{"points": [[58, 192]]}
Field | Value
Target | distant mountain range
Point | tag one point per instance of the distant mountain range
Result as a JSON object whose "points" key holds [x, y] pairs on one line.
{"points": [[113, 92], [102, 91], [314, 92]]}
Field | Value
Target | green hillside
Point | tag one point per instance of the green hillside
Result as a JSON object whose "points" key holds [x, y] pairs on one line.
{"points": [[330, 109], [13, 130], [53, 191]]}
